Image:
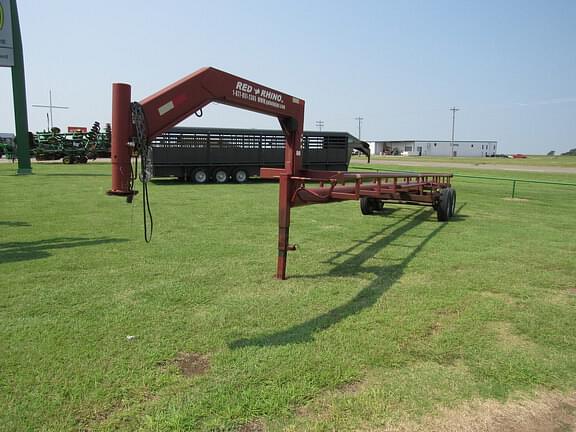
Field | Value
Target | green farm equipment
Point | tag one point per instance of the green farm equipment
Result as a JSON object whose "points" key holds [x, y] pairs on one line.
{"points": [[7, 147], [72, 147]]}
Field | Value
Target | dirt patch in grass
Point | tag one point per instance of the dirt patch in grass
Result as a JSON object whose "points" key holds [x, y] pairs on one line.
{"points": [[505, 298], [516, 199], [91, 420], [350, 388], [253, 426], [87, 421], [433, 329], [562, 297], [549, 412], [444, 317], [343, 390], [192, 364], [189, 364], [508, 338]]}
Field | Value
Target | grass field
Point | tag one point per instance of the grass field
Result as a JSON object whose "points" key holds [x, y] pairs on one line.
{"points": [[383, 320], [533, 160]]}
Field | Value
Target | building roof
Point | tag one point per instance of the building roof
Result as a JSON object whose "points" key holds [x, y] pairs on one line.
{"points": [[436, 141]]}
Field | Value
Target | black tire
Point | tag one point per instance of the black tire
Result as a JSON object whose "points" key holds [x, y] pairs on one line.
{"points": [[365, 206], [452, 202], [240, 176], [369, 206], [200, 176], [444, 205], [67, 160], [220, 176]]}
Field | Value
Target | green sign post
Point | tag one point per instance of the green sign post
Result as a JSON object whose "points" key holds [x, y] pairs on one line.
{"points": [[11, 55]]}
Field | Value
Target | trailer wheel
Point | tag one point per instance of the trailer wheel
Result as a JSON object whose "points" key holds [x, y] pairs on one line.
{"points": [[240, 176], [221, 176], [452, 202], [444, 205], [67, 160], [200, 176], [370, 205]]}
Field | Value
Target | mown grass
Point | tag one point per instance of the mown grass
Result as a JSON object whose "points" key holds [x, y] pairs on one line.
{"points": [[383, 318], [531, 160]]}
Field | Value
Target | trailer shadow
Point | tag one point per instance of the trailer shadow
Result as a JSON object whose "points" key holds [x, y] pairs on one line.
{"points": [[385, 277], [26, 251]]}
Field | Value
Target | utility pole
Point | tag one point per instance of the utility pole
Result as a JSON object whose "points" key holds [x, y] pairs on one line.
{"points": [[453, 109], [359, 120], [51, 106], [319, 125]]}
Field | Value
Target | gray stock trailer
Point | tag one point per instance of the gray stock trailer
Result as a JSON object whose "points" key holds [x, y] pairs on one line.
{"points": [[202, 155]]}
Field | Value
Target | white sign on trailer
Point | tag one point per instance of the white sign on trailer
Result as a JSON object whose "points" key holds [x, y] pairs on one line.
{"points": [[6, 47]]}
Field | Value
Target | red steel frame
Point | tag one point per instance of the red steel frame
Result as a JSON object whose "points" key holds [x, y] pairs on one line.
{"points": [[178, 101], [405, 188]]}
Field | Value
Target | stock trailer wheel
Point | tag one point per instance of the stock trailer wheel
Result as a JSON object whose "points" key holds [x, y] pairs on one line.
{"points": [[220, 176], [240, 176], [200, 176]]}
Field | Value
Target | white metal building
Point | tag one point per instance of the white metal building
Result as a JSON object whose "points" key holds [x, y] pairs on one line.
{"points": [[434, 148]]}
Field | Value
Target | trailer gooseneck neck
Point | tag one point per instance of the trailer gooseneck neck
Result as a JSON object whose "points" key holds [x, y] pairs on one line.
{"points": [[187, 96], [140, 122]]}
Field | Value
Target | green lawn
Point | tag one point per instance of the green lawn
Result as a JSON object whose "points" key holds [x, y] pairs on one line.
{"points": [[383, 318], [531, 160]]}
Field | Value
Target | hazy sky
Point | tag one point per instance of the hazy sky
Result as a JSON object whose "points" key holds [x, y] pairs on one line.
{"points": [[509, 65]]}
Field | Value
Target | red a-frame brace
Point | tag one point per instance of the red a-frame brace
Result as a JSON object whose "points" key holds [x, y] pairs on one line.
{"points": [[140, 123]]}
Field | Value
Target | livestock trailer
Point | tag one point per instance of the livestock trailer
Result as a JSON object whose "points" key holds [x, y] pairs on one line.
{"points": [[207, 154]]}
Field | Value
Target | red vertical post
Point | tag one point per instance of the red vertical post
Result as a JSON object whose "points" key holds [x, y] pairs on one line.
{"points": [[283, 226], [121, 152], [292, 166]]}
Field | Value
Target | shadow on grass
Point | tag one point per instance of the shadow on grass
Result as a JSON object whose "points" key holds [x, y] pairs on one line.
{"points": [[385, 277], [73, 175], [25, 251], [14, 224]]}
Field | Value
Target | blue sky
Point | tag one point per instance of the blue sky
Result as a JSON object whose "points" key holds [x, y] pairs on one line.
{"points": [[509, 65]]}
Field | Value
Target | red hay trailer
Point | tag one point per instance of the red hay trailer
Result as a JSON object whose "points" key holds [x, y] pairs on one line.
{"points": [[139, 123]]}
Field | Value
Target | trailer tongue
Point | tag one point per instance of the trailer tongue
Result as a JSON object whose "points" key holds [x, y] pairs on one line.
{"points": [[141, 122]]}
